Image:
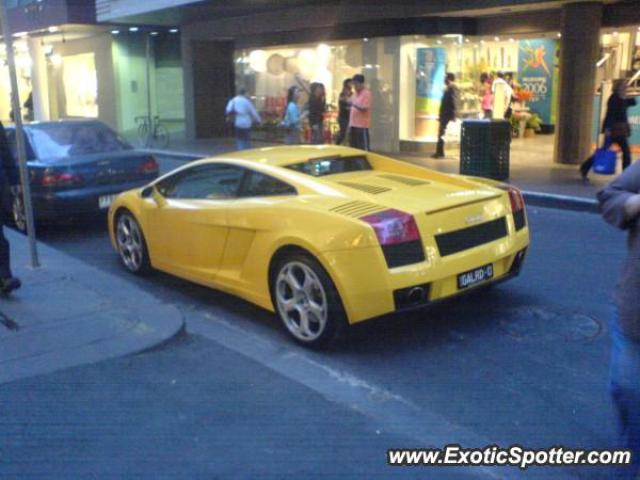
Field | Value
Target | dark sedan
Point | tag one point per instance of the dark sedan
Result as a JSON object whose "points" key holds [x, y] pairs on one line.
{"points": [[78, 167]]}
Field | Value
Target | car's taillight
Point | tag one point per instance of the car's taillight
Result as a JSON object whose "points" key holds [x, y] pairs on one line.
{"points": [[148, 167], [61, 179], [515, 197], [393, 226], [517, 206]]}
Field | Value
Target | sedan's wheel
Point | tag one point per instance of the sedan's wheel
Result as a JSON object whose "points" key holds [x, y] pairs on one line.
{"points": [[307, 301], [18, 213], [131, 244]]}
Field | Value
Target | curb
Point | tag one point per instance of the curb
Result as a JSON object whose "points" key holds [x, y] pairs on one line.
{"points": [[70, 313], [560, 202]]}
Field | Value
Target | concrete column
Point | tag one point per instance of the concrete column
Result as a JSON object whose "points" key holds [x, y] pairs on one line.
{"points": [[39, 81], [580, 27]]}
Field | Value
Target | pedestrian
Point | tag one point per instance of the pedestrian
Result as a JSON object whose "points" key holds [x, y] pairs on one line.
{"points": [[486, 95], [241, 112], [9, 187], [616, 127], [344, 109], [502, 96], [317, 107], [448, 111], [620, 206], [292, 118], [360, 115]]}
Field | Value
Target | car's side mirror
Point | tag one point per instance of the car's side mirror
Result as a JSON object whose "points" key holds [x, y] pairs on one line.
{"points": [[147, 192]]}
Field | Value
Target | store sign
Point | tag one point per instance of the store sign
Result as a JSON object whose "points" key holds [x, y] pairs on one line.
{"points": [[536, 60], [430, 71]]}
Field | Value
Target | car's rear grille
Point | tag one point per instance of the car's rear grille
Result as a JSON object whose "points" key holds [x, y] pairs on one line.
{"points": [[413, 182], [373, 189], [357, 209], [459, 240], [406, 253]]}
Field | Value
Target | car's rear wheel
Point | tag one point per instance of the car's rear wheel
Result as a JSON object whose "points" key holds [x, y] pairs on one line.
{"points": [[131, 244], [18, 213], [307, 301]]}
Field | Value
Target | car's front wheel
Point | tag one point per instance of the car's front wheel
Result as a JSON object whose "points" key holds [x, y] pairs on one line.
{"points": [[307, 301], [131, 244]]}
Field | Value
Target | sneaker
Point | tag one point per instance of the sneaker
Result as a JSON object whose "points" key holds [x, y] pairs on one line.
{"points": [[9, 284]]}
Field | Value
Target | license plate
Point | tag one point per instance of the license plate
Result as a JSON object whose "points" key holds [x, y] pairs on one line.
{"points": [[475, 276], [106, 201]]}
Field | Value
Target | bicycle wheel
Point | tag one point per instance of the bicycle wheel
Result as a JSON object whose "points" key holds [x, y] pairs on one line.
{"points": [[161, 137], [143, 134]]}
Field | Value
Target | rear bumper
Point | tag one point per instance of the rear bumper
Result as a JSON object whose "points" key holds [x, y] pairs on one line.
{"points": [[369, 289], [63, 204]]}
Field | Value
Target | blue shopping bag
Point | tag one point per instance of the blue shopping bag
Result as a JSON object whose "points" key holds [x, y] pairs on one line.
{"points": [[604, 161]]}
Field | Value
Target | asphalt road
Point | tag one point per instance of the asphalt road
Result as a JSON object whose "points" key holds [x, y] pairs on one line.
{"points": [[523, 363]]}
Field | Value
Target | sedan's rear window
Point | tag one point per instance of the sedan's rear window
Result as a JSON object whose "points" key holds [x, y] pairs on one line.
{"points": [[319, 167], [54, 141]]}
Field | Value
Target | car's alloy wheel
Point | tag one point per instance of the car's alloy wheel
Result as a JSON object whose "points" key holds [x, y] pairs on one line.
{"points": [[131, 244], [307, 301], [18, 212]]}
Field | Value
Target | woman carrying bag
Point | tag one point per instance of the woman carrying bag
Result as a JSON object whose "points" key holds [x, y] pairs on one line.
{"points": [[616, 126]]}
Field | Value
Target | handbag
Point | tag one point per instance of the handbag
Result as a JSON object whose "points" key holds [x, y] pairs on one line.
{"points": [[620, 129], [604, 160]]}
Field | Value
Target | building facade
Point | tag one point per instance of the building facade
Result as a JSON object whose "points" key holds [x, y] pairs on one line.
{"points": [[565, 54]]}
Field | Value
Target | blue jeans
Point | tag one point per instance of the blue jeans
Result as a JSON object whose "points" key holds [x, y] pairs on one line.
{"points": [[625, 390], [243, 138]]}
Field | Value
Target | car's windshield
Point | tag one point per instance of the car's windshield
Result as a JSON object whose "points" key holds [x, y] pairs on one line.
{"points": [[319, 167], [52, 141]]}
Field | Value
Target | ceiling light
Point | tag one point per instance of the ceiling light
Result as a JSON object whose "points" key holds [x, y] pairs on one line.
{"points": [[133, 29], [615, 34], [115, 32], [154, 33], [20, 34], [173, 30], [559, 35], [365, 39], [439, 42], [497, 39], [53, 29], [511, 40]]}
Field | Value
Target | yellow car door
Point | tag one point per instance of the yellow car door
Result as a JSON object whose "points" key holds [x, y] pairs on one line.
{"points": [[187, 229]]}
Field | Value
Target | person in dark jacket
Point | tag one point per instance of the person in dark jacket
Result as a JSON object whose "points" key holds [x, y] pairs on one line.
{"points": [[616, 126], [9, 181], [448, 111], [344, 109], [317, 108], [620, 205]]}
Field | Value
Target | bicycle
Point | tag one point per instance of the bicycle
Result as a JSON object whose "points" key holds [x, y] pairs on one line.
{"points": [[157, 135]]}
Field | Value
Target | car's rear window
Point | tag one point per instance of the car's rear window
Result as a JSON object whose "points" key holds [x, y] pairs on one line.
{"points": [[53, 141], [319, 167]]}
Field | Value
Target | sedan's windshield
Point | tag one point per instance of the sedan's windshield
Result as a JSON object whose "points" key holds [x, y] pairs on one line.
{"points": [[319, 167], [53, 141]]}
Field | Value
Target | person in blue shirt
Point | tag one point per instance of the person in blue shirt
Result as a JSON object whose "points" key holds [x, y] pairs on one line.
{"points": [[293, 118], [9, 181]]}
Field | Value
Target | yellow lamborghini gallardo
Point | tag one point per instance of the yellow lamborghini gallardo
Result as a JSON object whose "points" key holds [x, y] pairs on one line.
{"points": [[325, 236]]}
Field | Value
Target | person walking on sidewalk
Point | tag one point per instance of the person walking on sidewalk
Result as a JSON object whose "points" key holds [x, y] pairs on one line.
{"points": [[9, 181], [620, 205], [448, 111], [616, 127], [360, 116], [243, 114], [344, 109]]}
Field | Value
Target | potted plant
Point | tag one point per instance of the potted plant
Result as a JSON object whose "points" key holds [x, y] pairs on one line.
{"points": [[518, 123], [533, 124]]}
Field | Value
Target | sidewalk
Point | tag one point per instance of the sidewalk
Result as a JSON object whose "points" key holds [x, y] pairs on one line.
{"points": [[532, 169], [69, 313]]}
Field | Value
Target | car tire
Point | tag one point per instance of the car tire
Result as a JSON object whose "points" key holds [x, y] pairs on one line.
{"points": [[18, 215], [307, 301], [132, 246]]}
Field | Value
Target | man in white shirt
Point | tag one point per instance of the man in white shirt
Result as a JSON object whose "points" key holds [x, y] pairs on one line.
{"points": [[243, 113], [502, 93]]}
